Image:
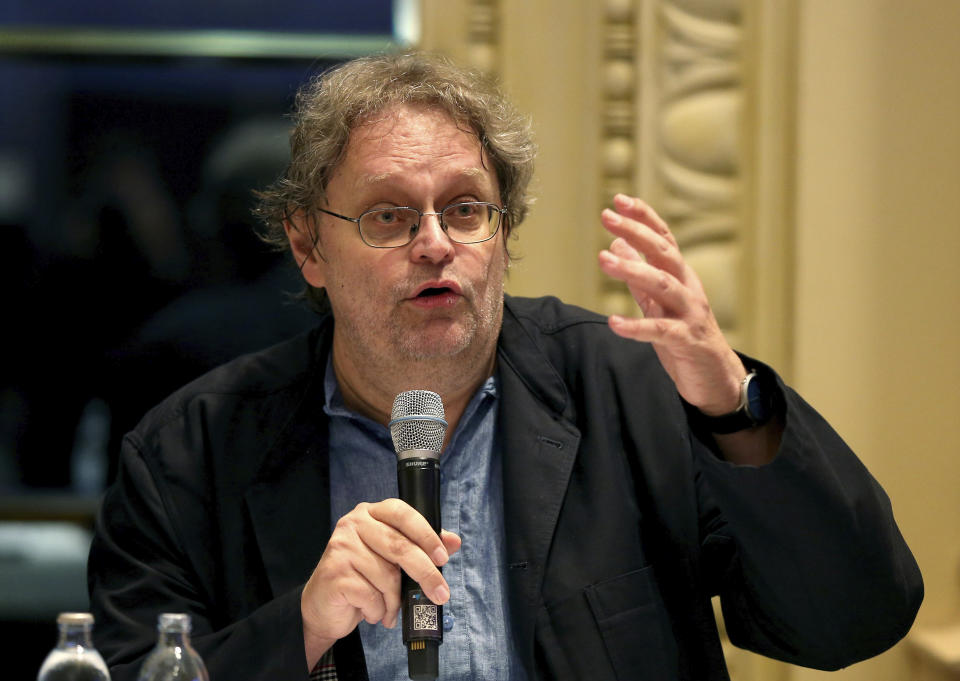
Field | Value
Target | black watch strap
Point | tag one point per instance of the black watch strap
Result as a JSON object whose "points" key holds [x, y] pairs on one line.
{"points": [[756, 407]]}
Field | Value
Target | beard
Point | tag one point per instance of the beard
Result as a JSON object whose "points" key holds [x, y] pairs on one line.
{"points": [[445, 337], [404, 348]]}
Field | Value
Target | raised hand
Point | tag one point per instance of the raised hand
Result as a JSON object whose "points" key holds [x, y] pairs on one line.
{"points": [[677, 320]]}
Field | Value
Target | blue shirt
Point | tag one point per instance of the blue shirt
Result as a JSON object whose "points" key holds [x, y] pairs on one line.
{"points": [[477, 641]]}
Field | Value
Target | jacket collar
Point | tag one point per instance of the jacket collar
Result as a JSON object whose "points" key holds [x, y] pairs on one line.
{"points": [[540, 443], [521, 353]]}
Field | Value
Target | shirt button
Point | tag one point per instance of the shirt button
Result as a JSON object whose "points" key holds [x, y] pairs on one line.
{"points": [[448, 622]]}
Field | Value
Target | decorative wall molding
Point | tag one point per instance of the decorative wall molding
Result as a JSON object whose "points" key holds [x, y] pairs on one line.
{"points": [[483, 32], [618, 126], [690, 165], [696, 118]]}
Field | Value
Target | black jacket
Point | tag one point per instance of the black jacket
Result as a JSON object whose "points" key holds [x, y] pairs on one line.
{"points": [[621, 523]]}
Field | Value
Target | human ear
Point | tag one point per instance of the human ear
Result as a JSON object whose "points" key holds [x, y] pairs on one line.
{"points": [[304, 236]]}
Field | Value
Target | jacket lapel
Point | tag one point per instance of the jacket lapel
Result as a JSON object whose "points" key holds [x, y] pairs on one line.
{"points": [[290, 513], [289, 504], [539, 445], [289, 501]]}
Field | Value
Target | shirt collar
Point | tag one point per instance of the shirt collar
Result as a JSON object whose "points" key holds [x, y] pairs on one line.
{"points": [[333, 404]]}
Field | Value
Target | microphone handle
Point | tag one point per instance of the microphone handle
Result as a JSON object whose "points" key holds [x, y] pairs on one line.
{"points": [[418, 478]]}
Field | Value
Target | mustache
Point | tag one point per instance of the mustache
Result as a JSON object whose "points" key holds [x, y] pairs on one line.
{"points": [[411, 288]]}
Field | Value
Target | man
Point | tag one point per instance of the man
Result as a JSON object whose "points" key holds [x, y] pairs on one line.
{"points": [[604, 476]]}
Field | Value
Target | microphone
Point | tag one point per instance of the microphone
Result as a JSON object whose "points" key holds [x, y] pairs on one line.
{"points": [[417, 427]]}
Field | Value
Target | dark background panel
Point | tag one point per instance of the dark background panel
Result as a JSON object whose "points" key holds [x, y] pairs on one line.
{"points": [[128, 259]]}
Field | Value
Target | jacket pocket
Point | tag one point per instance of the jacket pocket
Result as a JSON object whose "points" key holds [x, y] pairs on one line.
{"points": [[635, 627]]}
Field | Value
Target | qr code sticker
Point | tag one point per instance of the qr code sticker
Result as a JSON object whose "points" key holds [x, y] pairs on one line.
{"points": [[425, 617]]}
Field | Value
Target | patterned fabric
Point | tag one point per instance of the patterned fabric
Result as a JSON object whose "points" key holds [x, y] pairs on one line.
{"points": [[325, 669]]}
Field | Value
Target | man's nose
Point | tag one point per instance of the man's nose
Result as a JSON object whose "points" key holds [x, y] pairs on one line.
{"points": [[431, 241]]}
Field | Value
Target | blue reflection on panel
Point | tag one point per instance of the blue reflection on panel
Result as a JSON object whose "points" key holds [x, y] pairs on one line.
{"points": [[325, 16]]}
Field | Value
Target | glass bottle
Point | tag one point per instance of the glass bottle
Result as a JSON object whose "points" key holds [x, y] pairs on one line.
{"points": [[74, 658], [173, 658]]}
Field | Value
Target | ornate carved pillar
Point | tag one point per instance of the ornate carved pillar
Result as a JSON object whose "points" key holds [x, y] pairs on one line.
{"points": [[691, 147], [467, 30], [696, 119], [620, 142], [483, 25]]}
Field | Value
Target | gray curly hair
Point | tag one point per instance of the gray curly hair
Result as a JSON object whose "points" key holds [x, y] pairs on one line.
{"points": [[332, 103]]}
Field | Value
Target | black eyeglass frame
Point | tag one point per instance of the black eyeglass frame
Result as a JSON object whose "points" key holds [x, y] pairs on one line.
{"points": [[415, 228]]}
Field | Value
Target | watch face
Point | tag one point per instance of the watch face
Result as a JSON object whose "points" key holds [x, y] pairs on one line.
{"points": [[758, 400]]}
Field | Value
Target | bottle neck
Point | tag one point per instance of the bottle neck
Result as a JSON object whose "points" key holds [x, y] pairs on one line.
{"points": [[173, 639], [73, 635]]}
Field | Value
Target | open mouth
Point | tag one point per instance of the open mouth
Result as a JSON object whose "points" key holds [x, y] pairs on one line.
{"points": [[437, 294], [429, 292]]}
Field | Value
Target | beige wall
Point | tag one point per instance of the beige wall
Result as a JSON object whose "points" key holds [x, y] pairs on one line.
{"points": [[878, 264], [545, 54], [864, 170]]}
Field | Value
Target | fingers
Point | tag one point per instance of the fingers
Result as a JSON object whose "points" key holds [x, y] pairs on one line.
{"points": [[657, 330], [358, 576], [655, 290], [639, 211], [402, 522], [370, 585], [400, 535], [350, 583], [656, 248], [645, 256]]}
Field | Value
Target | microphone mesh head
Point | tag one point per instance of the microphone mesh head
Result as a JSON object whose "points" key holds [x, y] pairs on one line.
{"points": [[417, 422]]}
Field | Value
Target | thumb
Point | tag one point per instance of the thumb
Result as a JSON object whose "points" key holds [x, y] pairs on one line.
{"points": [[451, 542]]}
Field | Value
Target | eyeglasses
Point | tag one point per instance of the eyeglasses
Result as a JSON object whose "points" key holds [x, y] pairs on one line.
{"points": [[470, 222]]}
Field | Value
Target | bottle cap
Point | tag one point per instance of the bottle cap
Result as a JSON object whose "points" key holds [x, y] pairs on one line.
{"points": [[174, 622], [74, 618]]}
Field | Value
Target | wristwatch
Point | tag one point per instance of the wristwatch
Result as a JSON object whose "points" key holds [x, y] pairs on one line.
{"points": [[754, 409]]}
